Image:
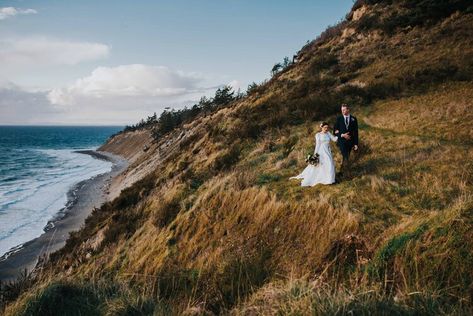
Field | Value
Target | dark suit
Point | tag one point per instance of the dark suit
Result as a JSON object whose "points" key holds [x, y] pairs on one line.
{"points": [[346, 145]]}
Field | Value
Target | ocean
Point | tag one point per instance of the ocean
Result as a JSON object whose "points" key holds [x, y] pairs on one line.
{"points": [[38, 166]]}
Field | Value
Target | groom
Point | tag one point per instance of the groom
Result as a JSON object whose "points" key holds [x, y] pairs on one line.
{"points": [[346, 128]]}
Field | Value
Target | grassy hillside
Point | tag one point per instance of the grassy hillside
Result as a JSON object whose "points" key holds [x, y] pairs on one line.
{"points": [[216, 226]]}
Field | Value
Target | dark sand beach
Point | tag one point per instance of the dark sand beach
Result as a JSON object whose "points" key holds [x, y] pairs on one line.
{"points": [[82, 199]]}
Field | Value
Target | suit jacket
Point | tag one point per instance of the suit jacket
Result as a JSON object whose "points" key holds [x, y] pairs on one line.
{"points": [[342, 129]]}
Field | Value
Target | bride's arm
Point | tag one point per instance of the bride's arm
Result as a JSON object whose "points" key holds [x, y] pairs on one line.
{"points": [[317, 143], [333, 138]]}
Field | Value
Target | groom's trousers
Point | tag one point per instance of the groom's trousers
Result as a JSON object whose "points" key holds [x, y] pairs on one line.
{"points": [[345, 149]]}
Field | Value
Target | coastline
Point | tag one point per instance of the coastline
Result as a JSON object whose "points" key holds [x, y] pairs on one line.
{"points": [[82, 198]]}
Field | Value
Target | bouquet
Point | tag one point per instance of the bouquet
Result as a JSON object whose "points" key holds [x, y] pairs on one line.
{"points": [[312, 159]]}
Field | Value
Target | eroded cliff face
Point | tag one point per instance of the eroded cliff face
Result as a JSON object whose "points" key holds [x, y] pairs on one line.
{"points": [[129, 145], [146, 155], [138, 149], [208, 222]]}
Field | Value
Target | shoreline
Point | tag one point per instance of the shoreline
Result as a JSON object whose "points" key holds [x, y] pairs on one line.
{"points": [[82, 198]]}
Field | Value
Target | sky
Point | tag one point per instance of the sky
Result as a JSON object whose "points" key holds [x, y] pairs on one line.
{"points": [[113, 62]]}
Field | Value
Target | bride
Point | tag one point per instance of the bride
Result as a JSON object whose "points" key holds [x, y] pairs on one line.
{"points": [[324, 171]]}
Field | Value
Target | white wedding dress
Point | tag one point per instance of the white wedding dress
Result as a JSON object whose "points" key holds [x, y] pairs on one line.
{"points": [[324, 172]]}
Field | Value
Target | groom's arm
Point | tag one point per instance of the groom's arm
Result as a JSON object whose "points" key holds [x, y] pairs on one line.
{"points": [[336, 130], [355, 132]]}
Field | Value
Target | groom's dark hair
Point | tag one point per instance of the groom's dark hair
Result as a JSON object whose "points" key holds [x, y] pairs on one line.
{"points": [[344, 105]]}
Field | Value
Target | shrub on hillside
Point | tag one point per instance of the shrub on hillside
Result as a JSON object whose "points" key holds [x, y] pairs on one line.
{"points": [[368, 22], [132, 195], [85, 298], [11, 290], [62, 298], [167, 210], [426, 12], [122, 224], [323, 60], [382, 90], [280, 67], [354, 95], [252, 88], [240, 275], [434, 74], [412, 13], [251, 129], [228, 158]]}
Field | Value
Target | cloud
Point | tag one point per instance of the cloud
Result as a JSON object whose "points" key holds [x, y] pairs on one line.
{"points": [[130, 81], [20, 106], [44, 51], [109, 95], [235, 84], [8, 12]]}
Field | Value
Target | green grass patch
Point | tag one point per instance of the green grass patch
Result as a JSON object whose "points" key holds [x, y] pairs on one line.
{"points": [[393, 176], [267, 178], [257, 161], [384, 257], [399, 242]]}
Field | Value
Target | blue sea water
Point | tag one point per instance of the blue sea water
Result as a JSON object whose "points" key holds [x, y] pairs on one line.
{"points": [[38, 166]]}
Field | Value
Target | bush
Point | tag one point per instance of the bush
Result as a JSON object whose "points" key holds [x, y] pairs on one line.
{"points": [[122, 223], [252, 88], [427, 12], [249, 129], [239, 277], [167, 211], [355, 95], [103, 297], [355, 64], [436, 74], [63, 299], [382, 90], [10, 291], [323, 60], [228, 158], [368, 22], [132, 195], [415, 13]]}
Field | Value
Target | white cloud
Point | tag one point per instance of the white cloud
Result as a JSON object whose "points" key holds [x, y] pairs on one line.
{"points": [[44, 51], [132, 81], [21, 106], [109, 95], [235, 84], [8, 12]]}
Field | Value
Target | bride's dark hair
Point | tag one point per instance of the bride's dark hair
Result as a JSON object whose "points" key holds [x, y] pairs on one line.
{"points": [[323, 124]]}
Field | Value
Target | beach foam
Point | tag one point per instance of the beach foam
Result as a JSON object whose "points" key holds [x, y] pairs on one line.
{"points": [[38, 190]]}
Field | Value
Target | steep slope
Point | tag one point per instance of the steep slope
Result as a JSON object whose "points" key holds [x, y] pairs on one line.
{"points": [[208, 221]]}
